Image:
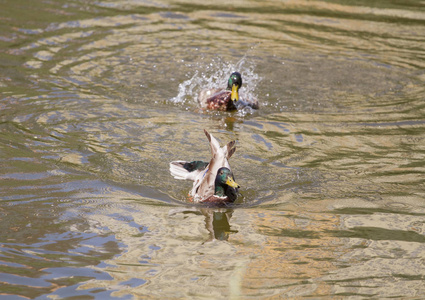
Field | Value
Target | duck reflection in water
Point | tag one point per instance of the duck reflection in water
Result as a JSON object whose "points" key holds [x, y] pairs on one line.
{"points": [[217, 220]]}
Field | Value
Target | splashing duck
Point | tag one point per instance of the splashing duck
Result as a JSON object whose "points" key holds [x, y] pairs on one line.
{"points": [[226, 100], [213, 181]]}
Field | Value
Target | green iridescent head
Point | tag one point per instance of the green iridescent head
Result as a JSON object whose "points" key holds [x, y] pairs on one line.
{"points": [[224, 179], [233, 84]]}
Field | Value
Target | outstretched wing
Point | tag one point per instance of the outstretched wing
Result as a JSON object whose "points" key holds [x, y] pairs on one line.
{"points": [[180, 169]]}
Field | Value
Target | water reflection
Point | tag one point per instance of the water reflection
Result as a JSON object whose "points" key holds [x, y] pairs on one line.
{"points": [[217, 221], [43, 255]]}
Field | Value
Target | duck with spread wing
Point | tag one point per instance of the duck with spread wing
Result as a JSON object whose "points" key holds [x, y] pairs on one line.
{"points": [[213, 180]]}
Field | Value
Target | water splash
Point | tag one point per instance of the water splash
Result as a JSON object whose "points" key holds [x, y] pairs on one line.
{"points": [[215, 74]]}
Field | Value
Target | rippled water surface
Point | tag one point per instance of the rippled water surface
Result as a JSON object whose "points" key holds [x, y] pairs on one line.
{"points": [[97, 97]]}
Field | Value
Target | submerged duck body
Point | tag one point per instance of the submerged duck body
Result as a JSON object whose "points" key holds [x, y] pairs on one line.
{"points": [[213, 181], [225, 99]]}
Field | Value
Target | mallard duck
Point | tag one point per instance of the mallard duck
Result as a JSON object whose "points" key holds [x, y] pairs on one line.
{"points": [[213, 181], [225, 100]]}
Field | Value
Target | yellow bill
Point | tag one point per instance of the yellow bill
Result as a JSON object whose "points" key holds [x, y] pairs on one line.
{"points": [[230, 182], [235, 94]]}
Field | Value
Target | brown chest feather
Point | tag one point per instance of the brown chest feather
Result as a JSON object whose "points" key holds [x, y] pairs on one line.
{"points": [[220, 101]]}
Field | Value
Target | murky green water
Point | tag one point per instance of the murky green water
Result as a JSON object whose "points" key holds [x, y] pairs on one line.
{"points": [[97, 97]]}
